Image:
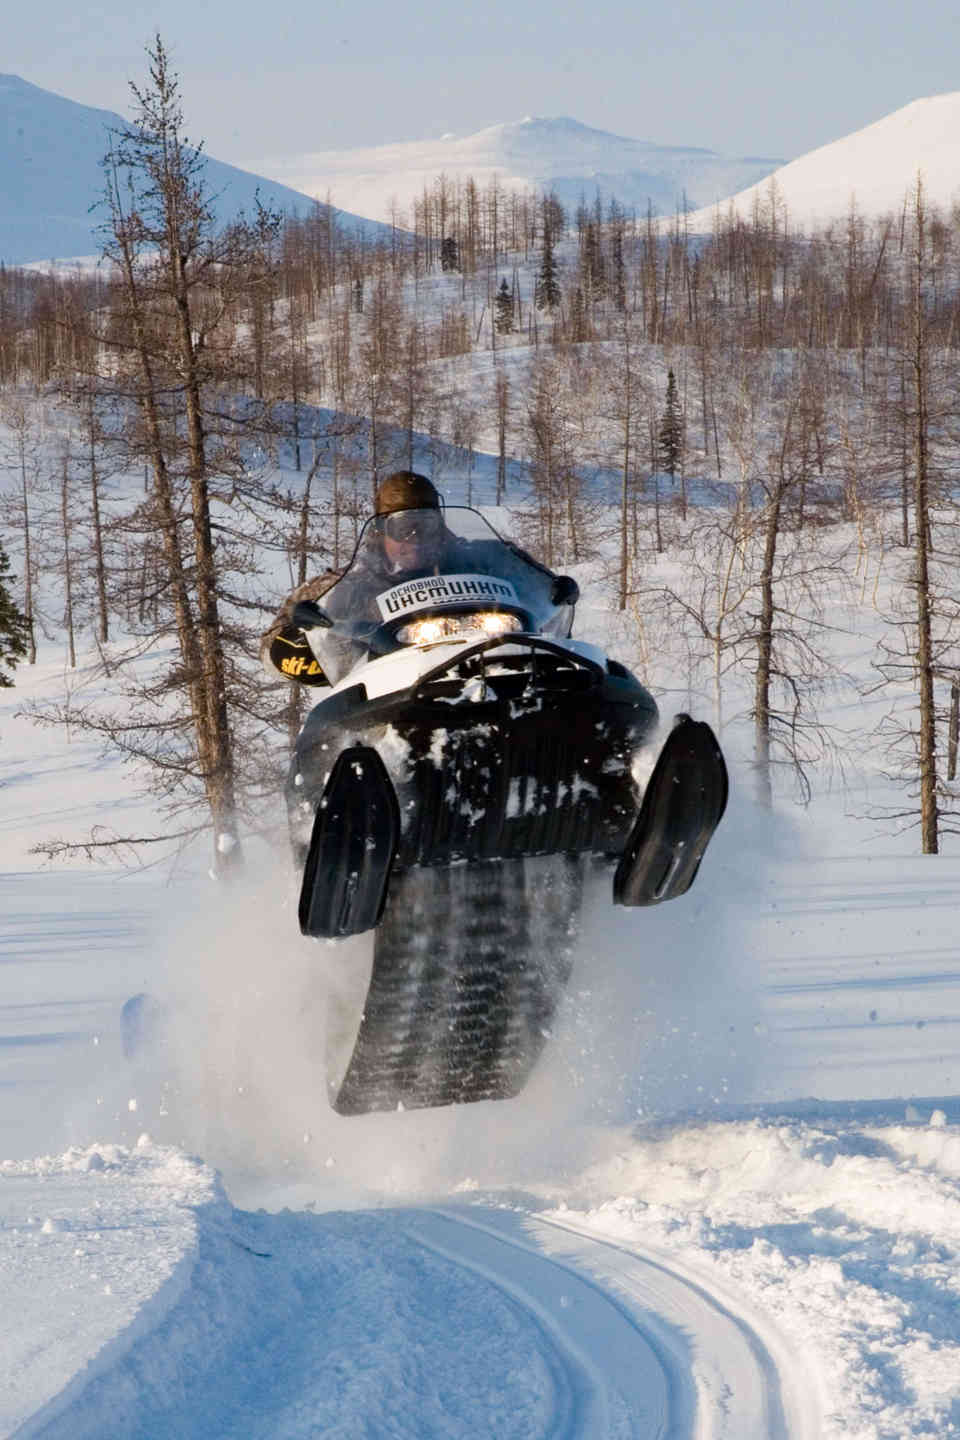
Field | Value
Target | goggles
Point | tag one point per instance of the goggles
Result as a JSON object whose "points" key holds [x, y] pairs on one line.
{"points": [[409, 525]]}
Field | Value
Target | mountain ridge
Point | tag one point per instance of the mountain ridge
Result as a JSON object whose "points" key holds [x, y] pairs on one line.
{"points": [[50, 181], [873, 167], [538, 152]]}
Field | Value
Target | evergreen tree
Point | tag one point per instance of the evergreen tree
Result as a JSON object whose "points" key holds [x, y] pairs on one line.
{"points": [[13, 626], [547, 292], [503, 310], [449, 254], [670, 433]]}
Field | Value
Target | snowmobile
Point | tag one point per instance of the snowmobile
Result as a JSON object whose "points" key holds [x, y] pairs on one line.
{"points": [[448, 792]]}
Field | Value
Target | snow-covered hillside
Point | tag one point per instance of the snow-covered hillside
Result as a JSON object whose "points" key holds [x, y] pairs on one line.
{"points": [[874, 168], [562, 154], [50, 154]]}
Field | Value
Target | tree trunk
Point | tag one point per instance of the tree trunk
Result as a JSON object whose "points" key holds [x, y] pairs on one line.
{"points": [[27, 559], [763, 676], [100, 569], [166, 510], [503, 397], [294, 710], [67, 563], [219, 771], [929, 815]]}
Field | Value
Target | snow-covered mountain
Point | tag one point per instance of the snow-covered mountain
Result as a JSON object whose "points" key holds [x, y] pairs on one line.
{"points": [[571, 158], [50, 153], [875, 167]]}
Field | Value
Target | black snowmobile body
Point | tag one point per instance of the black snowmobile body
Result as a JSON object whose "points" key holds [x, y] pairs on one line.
{"points": [[497, 753], [468, 744]]}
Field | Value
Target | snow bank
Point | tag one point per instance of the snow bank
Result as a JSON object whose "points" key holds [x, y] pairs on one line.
{"points": [[140, 1303], [96, 1246], [833, 1233]]}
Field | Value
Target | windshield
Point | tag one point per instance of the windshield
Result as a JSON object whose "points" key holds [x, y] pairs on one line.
{"points": [[415, 563]]}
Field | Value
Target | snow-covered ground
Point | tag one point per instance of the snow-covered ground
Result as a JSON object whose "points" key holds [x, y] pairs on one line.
{"points": [[728, 1205]]}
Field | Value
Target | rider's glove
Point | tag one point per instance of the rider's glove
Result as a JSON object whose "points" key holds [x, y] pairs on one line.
{"points": [[291, 656]]}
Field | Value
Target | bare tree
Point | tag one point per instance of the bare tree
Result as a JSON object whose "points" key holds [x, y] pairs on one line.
{"points": [[929, 816], [26, 458]]}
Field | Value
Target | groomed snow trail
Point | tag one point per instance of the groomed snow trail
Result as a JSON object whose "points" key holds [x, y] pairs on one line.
{"points": [[613, 1380], [412, 1323], [688, 1362]]}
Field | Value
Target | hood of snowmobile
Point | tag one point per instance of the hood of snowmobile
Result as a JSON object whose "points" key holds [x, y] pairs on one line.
{"points": [[404, 669], [493, 749]]}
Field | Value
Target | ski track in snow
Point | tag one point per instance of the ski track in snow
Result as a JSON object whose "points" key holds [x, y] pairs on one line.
{"points": [[738, 1367], [614, 1380], [654, 1350], [410, 1323]]}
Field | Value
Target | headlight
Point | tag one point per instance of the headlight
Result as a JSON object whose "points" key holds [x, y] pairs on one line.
{"points": [[455, 627]]}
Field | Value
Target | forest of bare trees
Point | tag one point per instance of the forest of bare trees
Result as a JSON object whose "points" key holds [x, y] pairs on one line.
{"points": [[777, 407]]}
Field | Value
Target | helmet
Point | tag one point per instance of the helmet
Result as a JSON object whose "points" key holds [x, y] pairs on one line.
{"points": [[405, 490]]}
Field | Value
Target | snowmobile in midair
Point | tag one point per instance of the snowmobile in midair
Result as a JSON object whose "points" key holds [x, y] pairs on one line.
{"points": [[468, 761]]}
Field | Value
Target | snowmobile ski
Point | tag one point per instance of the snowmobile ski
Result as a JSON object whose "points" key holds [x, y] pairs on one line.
{"points": [[351, 849], [682, 806]]}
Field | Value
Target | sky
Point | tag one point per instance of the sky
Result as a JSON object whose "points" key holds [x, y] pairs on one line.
{"points": [[753, 77]]}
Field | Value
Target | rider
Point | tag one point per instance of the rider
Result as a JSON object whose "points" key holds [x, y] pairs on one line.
{"points": [[413, 538]]}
